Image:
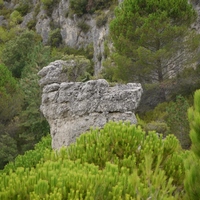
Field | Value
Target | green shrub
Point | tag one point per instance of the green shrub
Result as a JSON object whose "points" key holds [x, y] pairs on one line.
{"points": [[159, 127], [83, 26], [11, 102], [24, 7], [31, 24], [15, 18], [78, 7], [101, 20], [157, 114], [8, 150], [106, 52], [192, 177], [55, 38], [58, 53], [49, 5], [169, 117], [36, 10], [177, 120], [17, 52], [80, 70], [119, 161], [1, 4], [31, 158], [81, 7], [192, 163], [6, 12]]}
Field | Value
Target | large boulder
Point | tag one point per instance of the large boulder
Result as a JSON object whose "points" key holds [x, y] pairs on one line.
{"points": [[71, 108]]}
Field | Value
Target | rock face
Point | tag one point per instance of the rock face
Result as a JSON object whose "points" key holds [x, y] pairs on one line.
{"points": [[72, 34], [71, 108]]}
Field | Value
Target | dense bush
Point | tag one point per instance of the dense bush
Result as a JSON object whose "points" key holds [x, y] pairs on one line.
{"points": [[58, 53], [31, 158], [119, 161], [31, 24], [101, 19], [192, 164], [10, 107], [15, 18], [24, 7], [55, 38], [83, 26], [80, 70], [177, 120], [24, 56], [169, 117], [159, 127], [17, 51], [49, 5]]}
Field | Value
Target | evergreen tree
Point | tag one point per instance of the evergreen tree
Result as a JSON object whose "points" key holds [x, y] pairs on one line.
{"points": [[32, 124], [149, 36], [192, 164], [10, 107], [16, 52]]}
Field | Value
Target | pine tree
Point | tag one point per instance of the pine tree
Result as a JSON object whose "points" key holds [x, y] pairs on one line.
{"points": [[192, 180], [149, 36]]}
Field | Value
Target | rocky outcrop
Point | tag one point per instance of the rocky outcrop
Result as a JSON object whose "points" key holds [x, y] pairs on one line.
{"points": [[71, 108]]}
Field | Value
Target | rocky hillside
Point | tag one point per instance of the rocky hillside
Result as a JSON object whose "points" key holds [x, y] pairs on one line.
{"points": [[63, 21], [68, 23]]}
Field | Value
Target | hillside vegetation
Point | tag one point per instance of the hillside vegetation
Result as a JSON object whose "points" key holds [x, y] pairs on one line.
{"points": [[120, 161], [146, 37]]}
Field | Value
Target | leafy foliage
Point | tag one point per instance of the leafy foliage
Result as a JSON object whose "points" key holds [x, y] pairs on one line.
{"points": [[177, 120], [81, 7], [55, 38], [31, 158], [49, 5], [16, 52], [24, 7], [10, 106], [8, 149], [9, 92], [77, 68], [83, 26], [192, 163], [20, 116], [101, 19], [103, 164], [15, 18], [32, 124]]}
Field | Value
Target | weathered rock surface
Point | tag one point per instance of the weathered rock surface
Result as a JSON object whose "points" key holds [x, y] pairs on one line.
{"points": [[71, 108]]}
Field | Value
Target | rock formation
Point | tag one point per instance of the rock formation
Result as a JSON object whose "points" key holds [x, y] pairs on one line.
{"points": [[71, 108]]}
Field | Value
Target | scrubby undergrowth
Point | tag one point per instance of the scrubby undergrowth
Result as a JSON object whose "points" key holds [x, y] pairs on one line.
{"points": [[119, 161]]}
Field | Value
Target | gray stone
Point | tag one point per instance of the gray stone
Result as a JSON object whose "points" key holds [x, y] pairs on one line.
{"points": [[71, 108], [53, 73]]}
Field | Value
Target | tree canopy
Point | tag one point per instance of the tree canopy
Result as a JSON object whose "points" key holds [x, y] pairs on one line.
{"points": [[149, 36], [16, 52], [10, 106]]}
